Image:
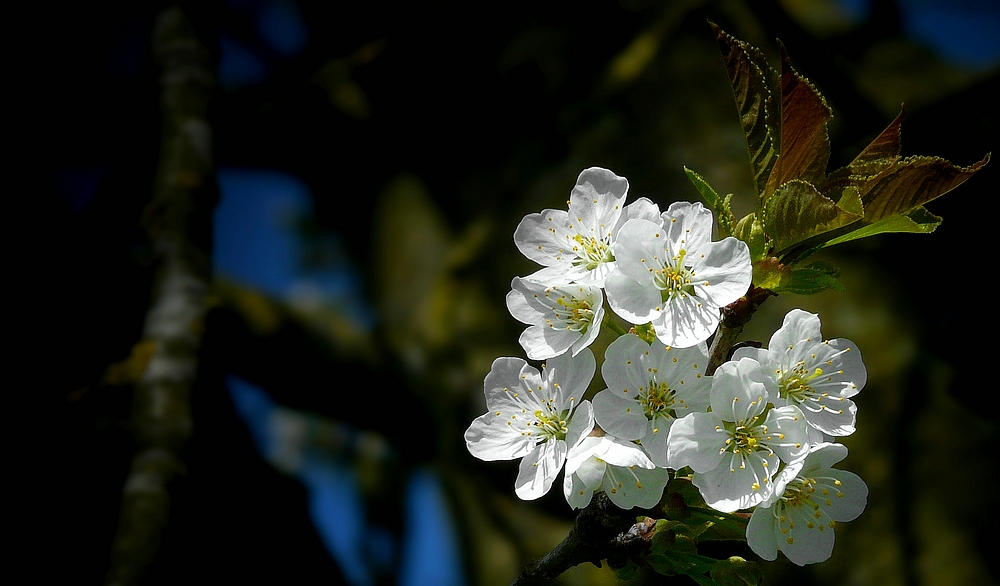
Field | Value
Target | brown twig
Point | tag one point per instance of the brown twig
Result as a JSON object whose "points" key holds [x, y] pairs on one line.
{"points": [[734, 317], [594, 534], [177, 221]]}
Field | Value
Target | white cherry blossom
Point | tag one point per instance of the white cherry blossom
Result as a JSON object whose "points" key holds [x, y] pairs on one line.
{"points": [[799, 520], [670, 273], [576, 245], [535, 416], [819, 376], [619, 468], [560, 317], [736, 449], [649, 386]]}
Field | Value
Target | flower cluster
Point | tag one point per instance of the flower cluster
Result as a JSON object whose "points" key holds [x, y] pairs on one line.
{"points": [[755, 434]]}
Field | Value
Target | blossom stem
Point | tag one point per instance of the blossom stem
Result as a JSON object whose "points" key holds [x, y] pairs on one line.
{"points": [[610, 323]]}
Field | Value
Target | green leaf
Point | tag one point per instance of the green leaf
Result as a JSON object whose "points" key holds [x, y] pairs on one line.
{"points": [[710, 525], [737, 571], [916, 221], [797, 211], [687, 514], [756, 89], [813, 278], [671, 563], [627, 572], [703, 580], [850, 201], [911, 182], [805, 143], [720, 207]]}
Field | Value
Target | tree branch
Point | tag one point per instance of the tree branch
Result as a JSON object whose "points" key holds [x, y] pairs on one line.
{"points": [[594, 534], [734, 317], [177, 221]]}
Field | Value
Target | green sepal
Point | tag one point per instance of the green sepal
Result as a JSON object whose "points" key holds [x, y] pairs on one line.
{"points": [[751, 230], [770, 274], [645, 331], [672, 535], [737, 571], [813, 278], [720, 206]]}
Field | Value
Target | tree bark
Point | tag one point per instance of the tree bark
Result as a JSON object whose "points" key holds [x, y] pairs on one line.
{"points": [[177, 221]]}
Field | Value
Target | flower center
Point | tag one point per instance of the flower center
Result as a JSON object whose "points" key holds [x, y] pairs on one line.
{"points": [[795, 385], [800, 503], [673, 278], [745, 439], [591, 252], [551, 425], [572, 313], [657, 400]]}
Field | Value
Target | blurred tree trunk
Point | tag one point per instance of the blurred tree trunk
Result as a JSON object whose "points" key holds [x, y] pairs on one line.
{"points": [[177, 221]]}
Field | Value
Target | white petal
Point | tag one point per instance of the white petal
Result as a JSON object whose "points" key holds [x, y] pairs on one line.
{"points": [[505, 374], [635, 487], [581, 424], [582, 451], [854, 375], [686, 320], [738, 390], [561, 272], [823, 455], [597, 200], [522, 303], [489, 438], [642, 208], [655, 440], [729, 487], [638, 242], [578, 494], [695, 441], [618, 416], [631, 300], [724, 274], [761, 532], [689, 224], [833, 415], [797, 326], [788, 433], [758, 354], [572, 374], [805, 544], [623, 369], [847, 500], [542, 237], [538, 470], [621, 453], [540, 342]]}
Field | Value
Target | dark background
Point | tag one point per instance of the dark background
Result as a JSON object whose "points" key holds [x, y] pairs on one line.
{"points": [[423, 134]]}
